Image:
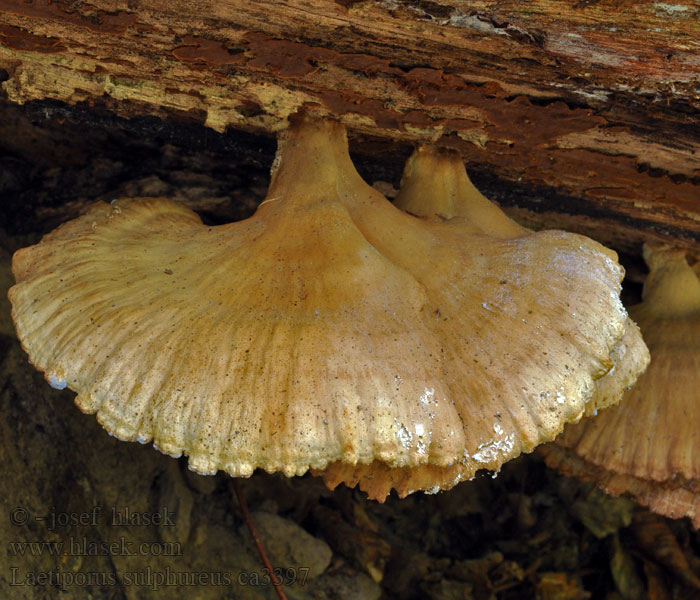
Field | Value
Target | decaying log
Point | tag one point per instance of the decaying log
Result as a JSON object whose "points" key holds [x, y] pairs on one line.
{"points": [[589, 109]]}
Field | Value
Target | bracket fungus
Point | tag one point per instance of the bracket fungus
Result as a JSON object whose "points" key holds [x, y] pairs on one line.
{"points": [[435, 186], [330, 331], [649, 445]]}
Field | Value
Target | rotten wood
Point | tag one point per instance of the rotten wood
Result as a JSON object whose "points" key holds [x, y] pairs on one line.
{"points": [[591, 105]]}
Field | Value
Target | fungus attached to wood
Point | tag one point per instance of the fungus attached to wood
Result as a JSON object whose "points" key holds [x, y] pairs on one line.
{"points": [[649, 445], [330, 331], [435, 186]]}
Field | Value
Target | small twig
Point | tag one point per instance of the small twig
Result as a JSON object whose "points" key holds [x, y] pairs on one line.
{"points": [[256, 538]]}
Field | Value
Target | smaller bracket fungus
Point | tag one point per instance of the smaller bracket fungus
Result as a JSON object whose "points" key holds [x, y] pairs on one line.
{"points": [[330, 331], [649, 446]]}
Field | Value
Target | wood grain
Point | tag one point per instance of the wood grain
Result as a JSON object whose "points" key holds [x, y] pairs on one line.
{"points": [[592, 102]]}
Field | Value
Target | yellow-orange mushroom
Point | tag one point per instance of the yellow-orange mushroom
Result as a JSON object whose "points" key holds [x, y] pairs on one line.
{"points": [[330, 331], [649, 445]]}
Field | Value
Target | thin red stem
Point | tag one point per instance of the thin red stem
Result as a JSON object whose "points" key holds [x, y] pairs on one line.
{"points": [[256, 538]]}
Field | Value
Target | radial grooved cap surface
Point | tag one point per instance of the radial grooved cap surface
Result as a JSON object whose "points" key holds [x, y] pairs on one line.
{"points": [[329, 331], [649, 445]]}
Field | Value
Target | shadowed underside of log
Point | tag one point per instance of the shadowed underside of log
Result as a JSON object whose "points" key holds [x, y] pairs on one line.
{"points": [[593, 103]]}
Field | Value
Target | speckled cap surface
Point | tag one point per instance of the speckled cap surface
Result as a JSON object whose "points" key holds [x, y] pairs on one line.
{"points": [[330, 331], [649, 445]]}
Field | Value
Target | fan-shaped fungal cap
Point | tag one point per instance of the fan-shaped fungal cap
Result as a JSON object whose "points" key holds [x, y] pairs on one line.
{"points": [[649, 445], [329, 331], [435, 185]]}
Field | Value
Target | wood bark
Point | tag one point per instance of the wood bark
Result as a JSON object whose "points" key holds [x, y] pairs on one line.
{"points": [[584, 112]]}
